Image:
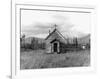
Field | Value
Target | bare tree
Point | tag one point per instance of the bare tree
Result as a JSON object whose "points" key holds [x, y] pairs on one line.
{"points": [[34, 44], [75, 40], [22, 41]]}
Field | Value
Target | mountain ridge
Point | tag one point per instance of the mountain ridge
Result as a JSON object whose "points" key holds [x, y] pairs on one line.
{"points": [[81, 40]]}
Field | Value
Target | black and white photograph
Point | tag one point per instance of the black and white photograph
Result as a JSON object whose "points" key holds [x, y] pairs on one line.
{"points": [[54, 39]]}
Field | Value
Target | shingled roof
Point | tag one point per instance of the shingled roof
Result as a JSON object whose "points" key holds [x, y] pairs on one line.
{"points": [[56, 30]]}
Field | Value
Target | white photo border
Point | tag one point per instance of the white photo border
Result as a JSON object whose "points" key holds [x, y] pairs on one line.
{"points": [[16, 24]]}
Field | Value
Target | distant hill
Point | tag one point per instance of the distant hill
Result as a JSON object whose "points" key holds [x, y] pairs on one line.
{"points": [[81, 40], [84, 40], [29, 39]]}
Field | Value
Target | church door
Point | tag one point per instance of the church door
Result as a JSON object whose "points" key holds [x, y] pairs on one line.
{"points": [[55, 47]]}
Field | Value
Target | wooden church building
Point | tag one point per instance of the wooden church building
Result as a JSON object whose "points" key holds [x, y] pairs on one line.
{"points": [[56, 42]]}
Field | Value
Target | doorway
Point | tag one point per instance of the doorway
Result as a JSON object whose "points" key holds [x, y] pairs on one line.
{"points": [[55, 48]]}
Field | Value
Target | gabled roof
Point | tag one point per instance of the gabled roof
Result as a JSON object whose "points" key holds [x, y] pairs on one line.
{"points": [[54, 40], [55, 30]]}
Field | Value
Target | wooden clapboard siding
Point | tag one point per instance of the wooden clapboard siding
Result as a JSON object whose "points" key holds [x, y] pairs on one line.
{"points": [[52, 36]]}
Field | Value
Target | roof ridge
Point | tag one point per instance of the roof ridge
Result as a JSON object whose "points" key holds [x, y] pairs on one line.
{"points": [[53, 32]]}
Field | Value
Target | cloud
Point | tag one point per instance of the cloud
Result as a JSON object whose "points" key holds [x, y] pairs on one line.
{"points": [[41, 28], [37, 28], [63, 22], [60, 19]]}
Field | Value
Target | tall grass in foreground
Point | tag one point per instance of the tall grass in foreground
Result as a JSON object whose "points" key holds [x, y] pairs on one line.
{"points": [[36, 59]]}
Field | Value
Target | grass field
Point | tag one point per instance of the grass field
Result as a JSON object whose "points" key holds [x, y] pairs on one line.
{"points": [[36, 59]]}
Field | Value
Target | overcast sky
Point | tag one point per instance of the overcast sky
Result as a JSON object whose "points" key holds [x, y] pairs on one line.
{"points": [[38, 23]]}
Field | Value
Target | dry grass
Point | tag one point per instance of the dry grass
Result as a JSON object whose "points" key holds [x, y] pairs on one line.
{"points": [[39, 59]]}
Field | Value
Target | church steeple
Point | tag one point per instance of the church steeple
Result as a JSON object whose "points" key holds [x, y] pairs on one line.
{"points": [[56, 33], [55, 26]]}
